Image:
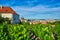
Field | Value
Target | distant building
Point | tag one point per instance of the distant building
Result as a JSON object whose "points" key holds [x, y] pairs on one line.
{"points": [[35, 22], [7, 12], [23, 20], [43, 22]]}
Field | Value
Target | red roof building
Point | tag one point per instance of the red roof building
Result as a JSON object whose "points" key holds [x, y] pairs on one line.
{"points": [[8, 12]]}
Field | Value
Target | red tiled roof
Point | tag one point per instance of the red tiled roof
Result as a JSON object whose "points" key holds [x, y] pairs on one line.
{"points": [[7, 10]]}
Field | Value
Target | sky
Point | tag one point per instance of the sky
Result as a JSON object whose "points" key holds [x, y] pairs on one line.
{"points": [[35, 9]]}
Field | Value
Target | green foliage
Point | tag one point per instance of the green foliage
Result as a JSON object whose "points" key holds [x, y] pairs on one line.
{"points": [[13, 32], [4, 32], [57, 29], [42, 31], [20, 31], [4, 20]]}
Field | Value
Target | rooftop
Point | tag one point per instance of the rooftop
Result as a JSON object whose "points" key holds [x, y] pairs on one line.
{"points": [[6, 10]]}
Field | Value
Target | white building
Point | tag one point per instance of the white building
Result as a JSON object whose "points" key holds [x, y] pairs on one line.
{"points": [[8, 12]]}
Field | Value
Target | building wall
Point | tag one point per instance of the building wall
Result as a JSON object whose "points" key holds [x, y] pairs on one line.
{"points": [[7, 15], [16, 18]]}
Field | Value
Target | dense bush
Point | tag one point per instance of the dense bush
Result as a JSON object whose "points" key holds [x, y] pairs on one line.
{"points": [[6, 20], [57, 29], [4, 34], [42, 31], [13, 32], [20, 31]]}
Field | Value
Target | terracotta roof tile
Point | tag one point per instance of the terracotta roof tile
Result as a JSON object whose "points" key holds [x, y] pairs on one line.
{"points": [[7, 10]]}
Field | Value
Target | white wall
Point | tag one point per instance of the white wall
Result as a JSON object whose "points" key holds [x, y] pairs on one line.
{"points": [[7, 15]]}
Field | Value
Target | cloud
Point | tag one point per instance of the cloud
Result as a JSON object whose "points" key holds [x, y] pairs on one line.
{"points": [[38, 12], [35, 8], [39, 8]]}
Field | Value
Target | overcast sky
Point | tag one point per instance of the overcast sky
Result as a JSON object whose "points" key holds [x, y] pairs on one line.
{"points": [[35, 9]]}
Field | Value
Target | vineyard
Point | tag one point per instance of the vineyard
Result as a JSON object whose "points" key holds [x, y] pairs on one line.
{"points": [[23, 31]]}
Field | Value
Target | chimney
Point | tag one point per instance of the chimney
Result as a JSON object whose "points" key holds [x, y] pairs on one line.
{"points": [[0, 6]]}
